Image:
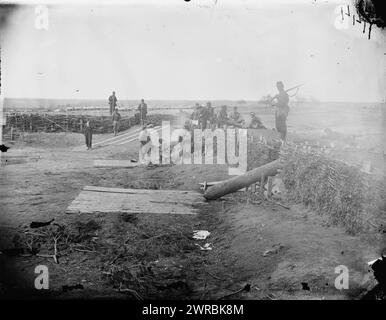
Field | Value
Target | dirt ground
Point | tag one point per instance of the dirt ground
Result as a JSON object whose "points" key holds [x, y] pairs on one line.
{"points": [[271, 251]]}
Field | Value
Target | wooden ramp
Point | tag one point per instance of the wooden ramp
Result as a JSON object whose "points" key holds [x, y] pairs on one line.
{"points": [[116, 200], [124, 137], [115, 163], [130, 134]]}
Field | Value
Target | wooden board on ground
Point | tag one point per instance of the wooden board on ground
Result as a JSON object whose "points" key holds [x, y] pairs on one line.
{"points": [[117, 200], [115, 163]]}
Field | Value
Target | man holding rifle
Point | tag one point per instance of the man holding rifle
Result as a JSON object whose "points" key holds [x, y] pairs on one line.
{"points": [[282, 110]]}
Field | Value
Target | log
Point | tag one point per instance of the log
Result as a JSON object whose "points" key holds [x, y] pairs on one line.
{"points": [[236, 183]]}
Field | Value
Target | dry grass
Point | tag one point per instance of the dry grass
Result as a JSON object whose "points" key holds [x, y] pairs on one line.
{"points": [[261, 152], [348, 196]]}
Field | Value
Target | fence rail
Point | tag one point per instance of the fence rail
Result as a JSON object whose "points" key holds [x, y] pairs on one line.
{"points": [[43, 122]]}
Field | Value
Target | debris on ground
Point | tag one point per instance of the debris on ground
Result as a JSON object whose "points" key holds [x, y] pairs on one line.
{"points": [[246, 288], [275, 249], [206, 247], [279, 204], [12, 252], [305, 286], [39, 224], [66, 288], [271, 296], [200, 234]]}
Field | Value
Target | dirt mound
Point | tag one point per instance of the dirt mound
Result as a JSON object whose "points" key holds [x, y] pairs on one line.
{"points": [[348, 196]]}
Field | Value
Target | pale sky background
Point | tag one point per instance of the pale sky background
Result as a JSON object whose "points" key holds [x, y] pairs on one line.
{"points": [[191, 50]]}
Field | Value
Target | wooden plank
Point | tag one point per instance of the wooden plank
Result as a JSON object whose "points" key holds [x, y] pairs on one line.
{"points": [[153, 192], [115, 163], [125, 135], [155, 130], [99, 199], [130, 133]]}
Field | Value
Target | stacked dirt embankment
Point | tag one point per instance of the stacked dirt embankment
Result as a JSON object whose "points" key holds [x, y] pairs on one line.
{"points": [[344, 193], [263, 147]]}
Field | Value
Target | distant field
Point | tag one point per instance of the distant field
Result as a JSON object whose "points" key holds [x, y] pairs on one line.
{"points": [[58, 104], [366, 121]]}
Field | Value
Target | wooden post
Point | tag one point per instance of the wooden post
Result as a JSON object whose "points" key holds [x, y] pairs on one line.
{"points": [[262, 181], [269, 188], [11, 133]]}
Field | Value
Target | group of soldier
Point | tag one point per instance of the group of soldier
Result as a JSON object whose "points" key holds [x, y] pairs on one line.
{"points": [[115, 117], [205, 117], [142, 110], [142, 107]]}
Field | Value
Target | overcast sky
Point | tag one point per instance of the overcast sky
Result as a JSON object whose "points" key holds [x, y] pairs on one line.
{"points": [[191, 50]]}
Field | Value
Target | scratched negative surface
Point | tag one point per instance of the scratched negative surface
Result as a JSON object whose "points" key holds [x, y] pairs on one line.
{"points": [[117, 200]]}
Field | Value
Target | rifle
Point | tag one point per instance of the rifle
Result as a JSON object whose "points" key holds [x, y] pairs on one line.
{"points": [[290, 89]]}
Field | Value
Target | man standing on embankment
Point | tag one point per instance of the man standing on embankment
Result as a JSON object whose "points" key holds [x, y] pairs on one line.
{"points": [[112, 102], [142, 108], [88, 135], [282, 109]]}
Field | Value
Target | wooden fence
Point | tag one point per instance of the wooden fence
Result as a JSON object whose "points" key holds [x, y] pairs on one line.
{"points": [[43, 122]]}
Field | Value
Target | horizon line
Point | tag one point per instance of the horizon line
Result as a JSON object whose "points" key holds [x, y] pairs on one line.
{"points": [[193, 100]]}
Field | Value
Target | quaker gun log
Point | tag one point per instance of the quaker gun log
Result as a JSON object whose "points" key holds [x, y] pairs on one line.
{"points": [[239, 182]]}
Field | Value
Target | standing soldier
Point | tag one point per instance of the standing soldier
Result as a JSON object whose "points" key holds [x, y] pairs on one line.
{"points": [[282, 110], [222, 118], [210, 113], [88, 135], [195, 116], [116, 117], [112, 102], [203, 117], [142, 108]]}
